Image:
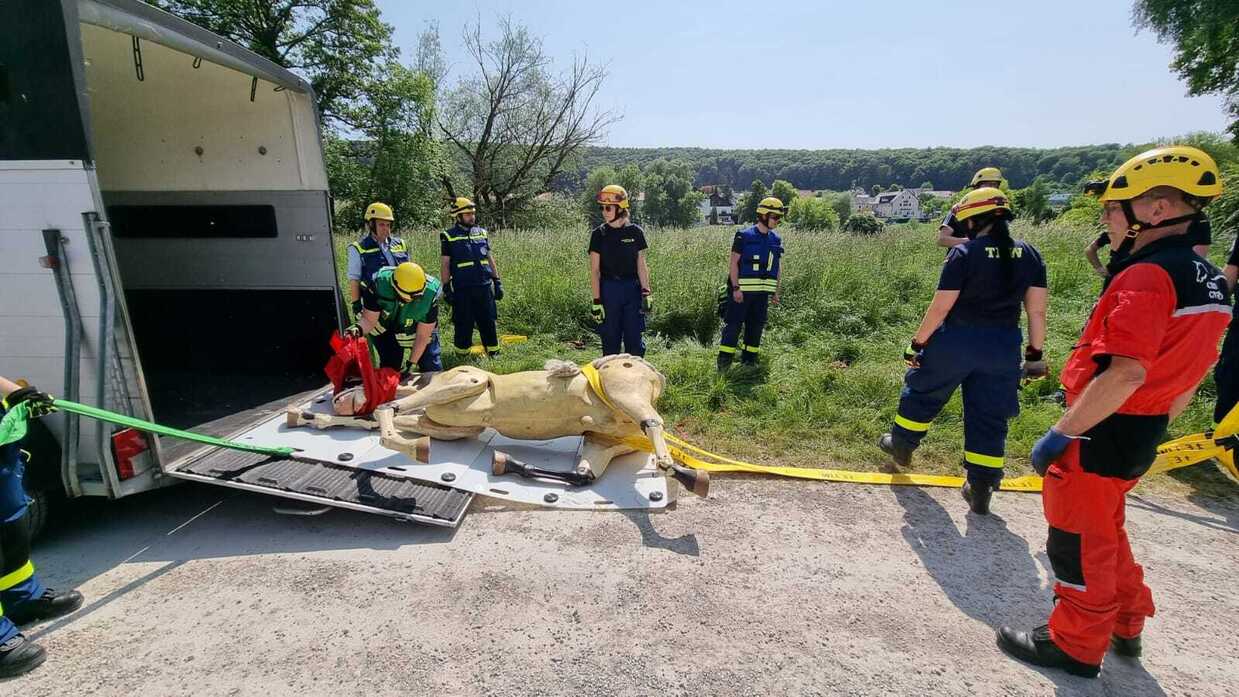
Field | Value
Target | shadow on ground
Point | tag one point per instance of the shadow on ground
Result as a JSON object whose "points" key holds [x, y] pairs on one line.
{"points": [[988, 573]]}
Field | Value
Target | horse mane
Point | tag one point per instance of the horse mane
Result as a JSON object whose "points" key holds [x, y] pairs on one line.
{"points": [[561, 369]]}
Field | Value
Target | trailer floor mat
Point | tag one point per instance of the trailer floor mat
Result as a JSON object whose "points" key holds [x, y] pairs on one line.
{"points": [[331, 484], [630, 482]]}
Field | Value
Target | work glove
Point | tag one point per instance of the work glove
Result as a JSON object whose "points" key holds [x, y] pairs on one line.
{"points": [[597, 311], [498, 289], [647, 302], [353, 331], [449, 293], [1048, 449], [37, 403], [356, 307], [913, 354], [1034, 366]]}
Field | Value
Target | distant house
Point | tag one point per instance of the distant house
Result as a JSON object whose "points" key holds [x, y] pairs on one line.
{"points": [[862, 202], [1059, 201], [898, 205], [718, 207]]}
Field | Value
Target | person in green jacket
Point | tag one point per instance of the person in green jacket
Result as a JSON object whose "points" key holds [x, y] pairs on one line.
{"points": [[400, 316]]}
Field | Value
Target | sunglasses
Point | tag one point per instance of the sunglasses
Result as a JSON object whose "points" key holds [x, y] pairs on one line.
{"points": [[774, 216]]}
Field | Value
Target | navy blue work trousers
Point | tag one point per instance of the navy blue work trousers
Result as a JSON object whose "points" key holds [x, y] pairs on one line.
{"points": [[623, 321], [474, 306], [750, 316]]}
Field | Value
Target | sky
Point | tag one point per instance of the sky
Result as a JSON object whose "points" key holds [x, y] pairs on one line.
{"points": [[806, 74]]}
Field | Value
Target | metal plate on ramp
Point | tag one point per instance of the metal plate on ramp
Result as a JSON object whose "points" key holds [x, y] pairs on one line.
{"points": [[630, 482]]}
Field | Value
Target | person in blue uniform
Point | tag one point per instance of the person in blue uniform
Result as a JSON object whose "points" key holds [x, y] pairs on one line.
{"points": [[951, 232], [470, 279], [23, 597], [619, 277], [970, 338], [753, 284], [376, 249], [1226, 372]]}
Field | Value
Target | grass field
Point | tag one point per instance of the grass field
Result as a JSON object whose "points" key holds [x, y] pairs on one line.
{"points": [[832, 352]]}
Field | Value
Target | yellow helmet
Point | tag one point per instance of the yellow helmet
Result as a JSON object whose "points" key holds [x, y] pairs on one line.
{"points": [[409, 280], [771, 204], [1182, 167], [979, 201], [987, 174], [379, 211], [463, 205], [613, 195]]}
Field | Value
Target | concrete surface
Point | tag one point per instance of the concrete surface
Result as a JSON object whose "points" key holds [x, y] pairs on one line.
{"points": [[768, 587]]}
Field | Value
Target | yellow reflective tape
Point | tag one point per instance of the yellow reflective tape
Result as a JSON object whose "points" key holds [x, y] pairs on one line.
{"points": [[726, 349], [13, 578], [486, 262], [752, 349], [463, 264], [914, 426], [983, 460]]}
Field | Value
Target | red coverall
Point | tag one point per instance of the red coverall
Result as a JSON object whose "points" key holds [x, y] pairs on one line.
{"points": [[1166, 308]]}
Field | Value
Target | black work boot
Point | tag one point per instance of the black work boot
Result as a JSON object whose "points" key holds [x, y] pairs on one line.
{"points": [[20, 655], [50, 605], [1037, 648], [977, 495], [724, 362], [901, 453], [1130, 648]]}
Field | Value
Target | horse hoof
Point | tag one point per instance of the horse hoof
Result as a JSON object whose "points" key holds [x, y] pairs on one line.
{"points": [[499, 463], [421, 450]]}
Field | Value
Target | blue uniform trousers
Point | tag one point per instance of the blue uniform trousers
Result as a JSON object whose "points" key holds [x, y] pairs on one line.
{"points": [[392, 350], [623, 320], [985, 362], [474, 306], [18, 582], [751, 313]]}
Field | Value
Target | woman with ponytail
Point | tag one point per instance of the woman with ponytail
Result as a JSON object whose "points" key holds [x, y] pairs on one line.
{"points": [[970, 337]]}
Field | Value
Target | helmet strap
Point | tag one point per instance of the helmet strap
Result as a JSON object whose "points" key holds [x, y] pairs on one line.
{"points": [[1135, 226]]}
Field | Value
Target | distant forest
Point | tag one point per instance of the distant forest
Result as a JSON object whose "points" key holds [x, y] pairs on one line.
{"points": [[839, 170]]}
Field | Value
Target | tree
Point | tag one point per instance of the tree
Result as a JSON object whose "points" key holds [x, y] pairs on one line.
{"points": [[628, 177], [812, 214], [515, 123], [1032, 202], [864, 223], [747, 205], [784, 191], [337, 45], [670, 199], [1224, 211], [934, 206], [1084, 211], [1205, 34], [875, 190], [842, 203], [398, 161]]}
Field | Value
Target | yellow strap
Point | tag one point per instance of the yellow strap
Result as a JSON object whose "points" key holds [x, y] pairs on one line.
{"points": [[505, 340], [595, 383], [13, 578]]}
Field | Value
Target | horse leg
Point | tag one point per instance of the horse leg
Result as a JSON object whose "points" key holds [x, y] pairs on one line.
{"points": [[298, 417], [634, 402], [448, 387], [502, 463]]}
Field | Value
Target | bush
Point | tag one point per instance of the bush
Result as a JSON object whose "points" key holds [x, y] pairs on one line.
{"points": [[555, 211], [864, 223], [813, 214]]}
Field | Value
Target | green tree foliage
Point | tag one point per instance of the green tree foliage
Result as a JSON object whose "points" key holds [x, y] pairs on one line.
{"points": [[1033, 202], [934, 206], [1084, 211], [840, 170], [812, 213], [557, 211], [1205, 36], [670, 199], [841, 201], [864, 223], [1224, 211], [398, 161], [784, 191], [746, 206], [337, 45], [628, 177]]}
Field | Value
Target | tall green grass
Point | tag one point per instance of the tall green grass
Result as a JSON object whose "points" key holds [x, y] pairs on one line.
{"points": [[832, 352]]}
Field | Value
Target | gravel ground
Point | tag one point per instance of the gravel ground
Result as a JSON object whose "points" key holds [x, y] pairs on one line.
{"points": [[768, 587]]}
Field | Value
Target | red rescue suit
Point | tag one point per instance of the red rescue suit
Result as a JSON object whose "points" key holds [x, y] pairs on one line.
{"points": [[351, 362], [1166, 308]]}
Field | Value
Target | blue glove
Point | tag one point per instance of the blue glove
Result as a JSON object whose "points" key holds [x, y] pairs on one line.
{"points": [[1048, 449], [498, 289]]}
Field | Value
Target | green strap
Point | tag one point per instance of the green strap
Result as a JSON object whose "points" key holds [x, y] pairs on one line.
{"points": [[123, 420]]}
